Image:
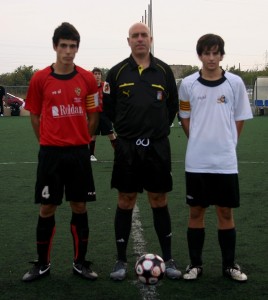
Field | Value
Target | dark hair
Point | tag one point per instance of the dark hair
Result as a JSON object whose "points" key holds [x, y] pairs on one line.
{"points": [[96, 70], [208, 41], [66, 31]]}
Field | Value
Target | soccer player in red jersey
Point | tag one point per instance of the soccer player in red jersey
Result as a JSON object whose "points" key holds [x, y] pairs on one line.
{"points": [[105, 125], [63, 104]]}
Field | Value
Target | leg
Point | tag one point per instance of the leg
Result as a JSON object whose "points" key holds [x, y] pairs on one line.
{"points": [[122, 226], [162, 222], [80, 233], [1, 107], [196, 234], [226, 235], [227, 241], [195, 238], [123, 221], [45, 231], [162, 225], [79, 230], [92, 148]]}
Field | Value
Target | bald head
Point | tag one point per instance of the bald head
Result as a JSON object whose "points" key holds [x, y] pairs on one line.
{"points": [[139, 40], [138, 27]]}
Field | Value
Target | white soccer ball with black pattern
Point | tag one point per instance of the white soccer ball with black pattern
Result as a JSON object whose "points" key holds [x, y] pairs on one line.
{"points": [[150, 268]]}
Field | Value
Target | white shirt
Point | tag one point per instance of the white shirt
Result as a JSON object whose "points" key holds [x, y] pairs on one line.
{"points": [[213, 107]]}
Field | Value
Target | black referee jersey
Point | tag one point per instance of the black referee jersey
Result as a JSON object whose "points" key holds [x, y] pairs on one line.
{"points": [[141, 103]]}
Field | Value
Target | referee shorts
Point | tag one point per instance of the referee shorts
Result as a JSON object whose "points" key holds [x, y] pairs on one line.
{"points": [[142, 164], [205, 189], [64, 170]]}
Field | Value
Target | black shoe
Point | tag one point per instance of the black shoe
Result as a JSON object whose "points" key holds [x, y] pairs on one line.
{"points": [[36, 272], [119, 271], [172, 272], [83, 269]]}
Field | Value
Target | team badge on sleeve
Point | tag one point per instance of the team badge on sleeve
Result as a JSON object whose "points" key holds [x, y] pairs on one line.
{"points": [[106, 88]]}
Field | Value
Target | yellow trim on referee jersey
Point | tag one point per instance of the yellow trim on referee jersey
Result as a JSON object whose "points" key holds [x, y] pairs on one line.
{"points": [[126, 84], [158, 86]]}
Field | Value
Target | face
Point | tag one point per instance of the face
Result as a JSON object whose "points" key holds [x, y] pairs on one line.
{"points": [[66, 51], [97, 76], [139, 39], [211, 58]]}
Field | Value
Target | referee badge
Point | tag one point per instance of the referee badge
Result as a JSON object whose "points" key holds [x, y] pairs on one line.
{"points": [[159, 95]]}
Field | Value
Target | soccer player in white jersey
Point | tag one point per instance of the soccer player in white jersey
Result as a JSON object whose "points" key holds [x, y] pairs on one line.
{"points": [[213, 107]]}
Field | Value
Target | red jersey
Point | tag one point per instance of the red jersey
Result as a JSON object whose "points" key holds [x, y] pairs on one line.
{"points": [[63, 102], [100, 91]]}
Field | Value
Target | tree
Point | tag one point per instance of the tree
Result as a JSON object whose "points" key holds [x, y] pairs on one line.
{"points": [[189, 70], [20, 77]]}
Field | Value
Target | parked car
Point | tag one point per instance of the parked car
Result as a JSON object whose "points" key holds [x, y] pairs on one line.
{"points": [[14, 103], [9, 99]]}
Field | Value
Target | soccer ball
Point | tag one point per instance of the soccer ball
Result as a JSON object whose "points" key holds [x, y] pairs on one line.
{"points": [[150, 268]]}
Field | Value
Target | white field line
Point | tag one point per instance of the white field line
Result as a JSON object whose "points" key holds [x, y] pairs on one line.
{"points": [[110, 161], [148, 292]]}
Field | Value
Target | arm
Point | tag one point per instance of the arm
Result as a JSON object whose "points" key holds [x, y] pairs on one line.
{"points": [[109, 96], [93, 121], [239, 127], [173, 98], [35, 120], [185, 125]]}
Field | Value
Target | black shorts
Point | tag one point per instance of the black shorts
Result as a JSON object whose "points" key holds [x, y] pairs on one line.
{"points": [[105, 126], [64, 170], [142, 164], [204, 189]]}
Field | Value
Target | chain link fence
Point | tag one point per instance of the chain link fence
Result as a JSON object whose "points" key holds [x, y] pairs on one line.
{"points": [[19, 91]]}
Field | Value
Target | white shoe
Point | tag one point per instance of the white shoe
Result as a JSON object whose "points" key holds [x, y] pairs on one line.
{"points": [[193, 272], [235, 273], [93, 158], [172, 125]]}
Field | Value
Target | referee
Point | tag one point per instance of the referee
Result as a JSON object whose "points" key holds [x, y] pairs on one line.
{"points": [[141, 99]]}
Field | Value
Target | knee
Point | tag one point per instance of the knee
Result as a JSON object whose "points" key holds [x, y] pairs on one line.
{"points": [[78, 207], [224, 213], [196, 217], [47, 211], [157, 199], [127, 200], [225, 218]]}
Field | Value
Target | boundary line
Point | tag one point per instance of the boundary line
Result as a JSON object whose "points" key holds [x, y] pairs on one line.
{"points": [[148, 292], [111, 161]]}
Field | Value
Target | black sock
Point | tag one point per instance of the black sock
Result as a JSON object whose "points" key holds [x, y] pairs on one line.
{"points": [[92, 147], [227, 241], [122, 226], [162, 225], [45, 231], [80, 232], [196, 238]]}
